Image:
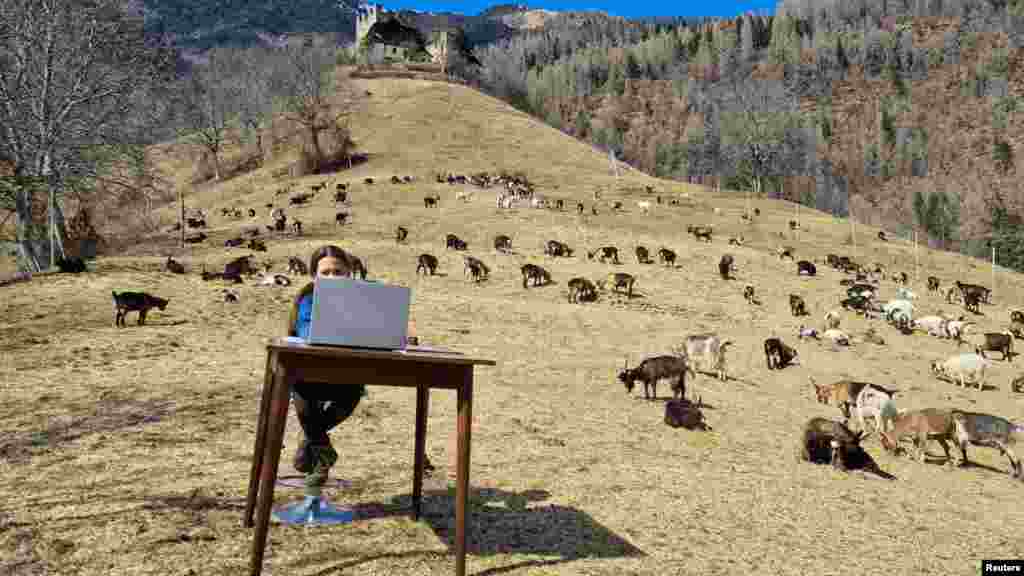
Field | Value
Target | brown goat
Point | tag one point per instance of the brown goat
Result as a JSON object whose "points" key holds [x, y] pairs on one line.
{"points": [[923, 425]]}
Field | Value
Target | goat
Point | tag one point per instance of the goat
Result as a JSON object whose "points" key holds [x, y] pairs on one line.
{"points": [[842, 394], [368, 181], [297, 266], [685, 414], [667, 256], [838, 337], [923, 425], [900, 278], [881, 236], [955, 328], [962, 369], [431, 201], [797, 305], [953, 295], [453, 242], [340, 218], [257, 246], [556, 248], [174, 267], [1017, 317], [341, 196], [275, 280], [804, 332], [994, 342], [401, 234], [407, 179], [234, 269], [971, 301], [700, 232], [806, 267], [617, 206], [503, 243], [579, 207], [581, 289], [645, 206], [642, 255], [725, 266], [934, 325], [252, 212], [606, 253], [477, 268], [560, 204], [427, 263], [832, 318], [933, 284], [657, 368], [233, 242], [984, 294], [832, 260], [748, 295], [785, 252], [991, 431], [733, 241], [619, 280], [876, 402], [708, 352], [396, 180], [778, 355], [536, 274], [824, 441], [794, 225]]}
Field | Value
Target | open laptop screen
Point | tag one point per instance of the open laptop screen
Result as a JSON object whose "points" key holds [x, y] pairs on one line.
{"points": [[357, 313]]}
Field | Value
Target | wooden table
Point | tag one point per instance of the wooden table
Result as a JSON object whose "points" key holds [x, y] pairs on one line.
{"points": [[289, 361]]}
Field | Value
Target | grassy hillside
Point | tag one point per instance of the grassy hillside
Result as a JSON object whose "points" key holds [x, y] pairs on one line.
{"points": [[126, 451]]}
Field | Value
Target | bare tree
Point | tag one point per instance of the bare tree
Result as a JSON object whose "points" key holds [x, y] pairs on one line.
{"points": [[72, 76], [212, 95], [255, 105], [308, 89]]}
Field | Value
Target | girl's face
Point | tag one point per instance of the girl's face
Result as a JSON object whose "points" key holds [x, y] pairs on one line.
{"points": [[329, 266]]}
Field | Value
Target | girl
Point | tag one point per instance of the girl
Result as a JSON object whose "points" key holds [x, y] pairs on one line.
{"points": [[321, 406]]}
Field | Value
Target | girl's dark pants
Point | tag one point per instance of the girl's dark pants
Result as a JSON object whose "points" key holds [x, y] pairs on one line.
{"points": [[320, 407]]}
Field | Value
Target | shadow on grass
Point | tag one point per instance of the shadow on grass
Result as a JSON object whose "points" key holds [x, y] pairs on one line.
{"points": [[109, 414], [503, 522]]}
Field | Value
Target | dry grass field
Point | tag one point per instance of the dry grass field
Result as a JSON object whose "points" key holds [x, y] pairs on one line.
{"points": [[126, 451]]}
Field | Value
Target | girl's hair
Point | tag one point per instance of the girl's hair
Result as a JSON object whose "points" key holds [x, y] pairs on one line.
{"points": [[329, 250]]}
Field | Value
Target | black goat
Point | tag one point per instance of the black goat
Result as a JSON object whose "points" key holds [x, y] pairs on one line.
{"points": [[73, 265], [606, 253], [536, 274], [667, 256], [725, 266], [778, 355], [556, 248], [797, 305], [427, 263], [581, 289], [658, 368], [933, 284], [174, 267], [453, 242], [642, 255], [401, 233], [503, 243], [806, 267]]}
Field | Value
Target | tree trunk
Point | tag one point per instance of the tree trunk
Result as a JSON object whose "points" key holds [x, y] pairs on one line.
{"points": [[31, 257], [318, 156]]}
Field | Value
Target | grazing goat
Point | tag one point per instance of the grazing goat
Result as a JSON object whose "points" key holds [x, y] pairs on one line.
{"points": [[824, 441], [174, 267], [341, 196], [252, 212], [503, 243], [234, 269], [340, 218], [556, 248], [1017, 317], [297, 227], [453, 242], [748, 295], [401, 234], [667, 256], [933, 284], [477, 268], [797, 305], [618, 280], [581, 289], [971, 301], [779, 355], [725, 266], [685, 414], [431, 201], [733, 241], [983, 293], [536, 274], [993, 342], [645, 206], [657, 368], [707, 351], [990, 431], [923, 425], [785, 252], [297, 266], [606, 253], [140, 302], [427, 263], [806, 267], [396, 180], [642, 255], [962, 369], [257, 246]]}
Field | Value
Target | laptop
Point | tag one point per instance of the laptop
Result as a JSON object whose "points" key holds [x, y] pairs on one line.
{"points": [[359, 314]]}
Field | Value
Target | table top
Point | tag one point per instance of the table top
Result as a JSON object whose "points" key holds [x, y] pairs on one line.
{"points": [[412, 353]]}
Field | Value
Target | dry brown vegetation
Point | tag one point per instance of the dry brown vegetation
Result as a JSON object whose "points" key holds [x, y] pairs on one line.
{"points": [[126, 451]]}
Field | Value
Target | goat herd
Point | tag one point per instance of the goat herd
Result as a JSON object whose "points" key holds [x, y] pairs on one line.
{"points": [[821, 440]]}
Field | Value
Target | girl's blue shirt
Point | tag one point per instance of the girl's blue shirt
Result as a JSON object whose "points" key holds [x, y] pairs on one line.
{"points": [[304, 316]]}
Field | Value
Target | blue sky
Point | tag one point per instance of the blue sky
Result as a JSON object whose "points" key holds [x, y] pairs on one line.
{"points": [[624, 8]]}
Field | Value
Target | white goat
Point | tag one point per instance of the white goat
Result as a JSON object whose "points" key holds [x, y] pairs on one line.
{"points": [[838, 337], [876, 402], [956, 329], [707, 353], [934, 325], [645, 206], [464, 195], [832, 319], [963, 368]]}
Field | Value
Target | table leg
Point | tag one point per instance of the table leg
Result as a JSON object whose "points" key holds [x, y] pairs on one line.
{"points": [[465, 419], [272, 455], [422, 406], [261, 438]]}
